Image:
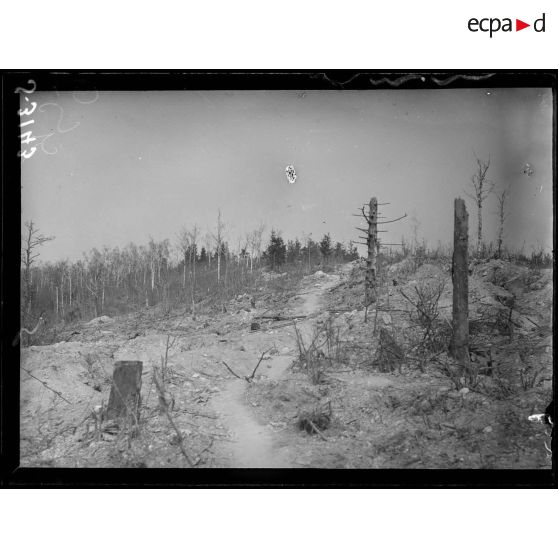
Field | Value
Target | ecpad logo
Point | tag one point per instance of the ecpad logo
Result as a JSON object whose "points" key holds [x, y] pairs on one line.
{"points": [[493, 25]]}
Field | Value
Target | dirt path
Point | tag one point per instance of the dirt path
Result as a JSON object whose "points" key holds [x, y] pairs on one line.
{"points": [[254, 444]]}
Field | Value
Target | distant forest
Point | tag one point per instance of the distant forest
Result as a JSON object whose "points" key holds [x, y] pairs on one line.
{"points": [[114, 281]]}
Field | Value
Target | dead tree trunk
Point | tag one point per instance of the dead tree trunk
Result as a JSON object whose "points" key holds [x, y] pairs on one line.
{"points": [[371, 241], [373, 246], [501, 218], [125, 398], [460, 278], [479, 229]]}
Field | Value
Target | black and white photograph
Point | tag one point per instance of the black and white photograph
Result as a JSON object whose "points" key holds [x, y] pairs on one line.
{"points": [[301, 274]]}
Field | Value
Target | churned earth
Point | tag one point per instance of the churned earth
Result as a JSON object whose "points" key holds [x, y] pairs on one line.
{"points": [[223, 414]]}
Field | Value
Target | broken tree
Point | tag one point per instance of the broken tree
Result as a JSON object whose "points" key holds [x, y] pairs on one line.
{"points": [[373, 247], [460, 278], [371, 239]]}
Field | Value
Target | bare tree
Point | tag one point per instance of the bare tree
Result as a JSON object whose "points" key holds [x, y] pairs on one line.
{"points": [[502, 216], [460, 279], [254, 240], [193, 237], [372, 245], [208, 244], [31, 240], [96, 279], [482, 188], [183, 245], [415, 226], [218, 237]]}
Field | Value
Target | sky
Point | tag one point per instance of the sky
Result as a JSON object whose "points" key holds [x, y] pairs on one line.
{"points": [[119, 167]]}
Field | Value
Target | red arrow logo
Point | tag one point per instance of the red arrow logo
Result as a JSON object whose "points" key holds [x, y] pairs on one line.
{"points": [[519, 25]]}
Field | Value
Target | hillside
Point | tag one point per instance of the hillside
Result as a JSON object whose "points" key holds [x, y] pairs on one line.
{"points": [[330, 390]]}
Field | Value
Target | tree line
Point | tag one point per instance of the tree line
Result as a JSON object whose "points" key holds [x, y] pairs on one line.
{"points": [[192, 269]]}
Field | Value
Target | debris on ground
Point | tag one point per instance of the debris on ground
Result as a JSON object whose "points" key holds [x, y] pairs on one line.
{"points": [[387, 394]]}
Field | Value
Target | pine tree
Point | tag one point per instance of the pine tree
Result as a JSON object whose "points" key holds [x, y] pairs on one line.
{"points": [[276, 251], [325, 247], [339, 251], [293, 251]]}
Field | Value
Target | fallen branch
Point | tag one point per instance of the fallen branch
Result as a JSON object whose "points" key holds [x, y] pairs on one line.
{"points": [[279, 317], [317, 430], [231, 371], [510, 280], [259, 361], [203, 451], [214, 417], [247, 378], [71, 335], [530, 320], [180, 440], [285, 324], [161, 392], [201, 372], [46, 385]]}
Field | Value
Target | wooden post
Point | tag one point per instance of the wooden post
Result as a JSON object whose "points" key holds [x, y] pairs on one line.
{"points": [[125, 398], [370, 280], [460, 278]]}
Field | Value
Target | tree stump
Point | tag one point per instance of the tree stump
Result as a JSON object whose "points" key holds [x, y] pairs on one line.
{"points": [[390, 355], [125, 394]]}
